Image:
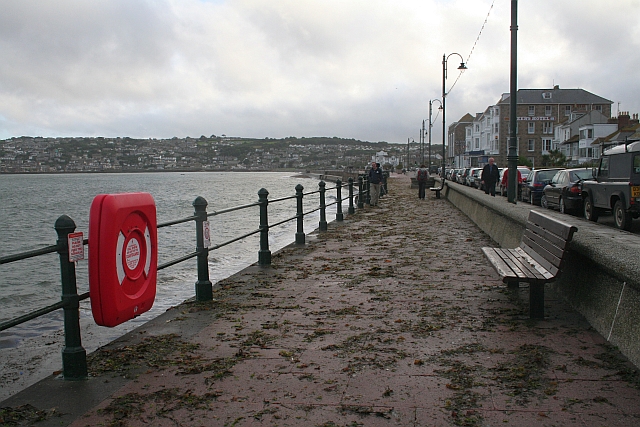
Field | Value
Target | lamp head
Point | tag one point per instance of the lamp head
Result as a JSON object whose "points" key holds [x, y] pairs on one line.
{"points": [[462, 66], [440, 107]]}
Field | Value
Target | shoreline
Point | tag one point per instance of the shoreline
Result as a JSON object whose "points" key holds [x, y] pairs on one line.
{"points": [[151, 171]]}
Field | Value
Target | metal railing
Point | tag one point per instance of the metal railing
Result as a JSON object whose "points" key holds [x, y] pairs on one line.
{"points": [[74, 364]]}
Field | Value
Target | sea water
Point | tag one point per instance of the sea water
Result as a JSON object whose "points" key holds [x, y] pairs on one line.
{"points": [[30, 205]]}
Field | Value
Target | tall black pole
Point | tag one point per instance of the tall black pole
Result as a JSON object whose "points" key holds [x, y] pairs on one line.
{"points": [[407, 166], [422, 135], [430, 125], [444, 120], [512, 153]]}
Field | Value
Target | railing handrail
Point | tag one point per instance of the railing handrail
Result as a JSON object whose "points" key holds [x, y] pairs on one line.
{"points": [[74, 356]]}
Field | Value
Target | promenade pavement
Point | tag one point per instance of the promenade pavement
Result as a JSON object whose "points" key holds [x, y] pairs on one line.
{"points": [[391, 318]]}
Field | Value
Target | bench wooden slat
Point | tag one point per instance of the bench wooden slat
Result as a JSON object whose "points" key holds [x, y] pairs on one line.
{"points": [[554, 243], [545, 273], [526, 265], [520, 272], [501, 267], [556, 226], [537, 260], [549, 251]]}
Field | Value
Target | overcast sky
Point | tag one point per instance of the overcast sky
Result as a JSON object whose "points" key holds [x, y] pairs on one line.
{"points": [[363, 69]]}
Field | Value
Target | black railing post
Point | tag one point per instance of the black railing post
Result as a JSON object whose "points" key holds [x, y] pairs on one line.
{"points": [[74, 356], [339, 215], [300, 237], [322, 226], [384, 191], [204, 287], [368, 190], [360, 193], [352, 210], [264, 254]]}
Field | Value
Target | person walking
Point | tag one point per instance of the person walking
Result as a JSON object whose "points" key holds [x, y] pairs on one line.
{"points": [[505, 181], [375, 180], [422, 176], [490, 175]]}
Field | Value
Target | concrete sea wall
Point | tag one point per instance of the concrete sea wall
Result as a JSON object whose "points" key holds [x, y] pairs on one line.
{"points": [[601, 277]]}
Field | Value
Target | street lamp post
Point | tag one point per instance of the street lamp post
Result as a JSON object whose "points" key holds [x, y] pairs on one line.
{"points": [[431, 124], [512, 151], [444, 96], [422, 144]]}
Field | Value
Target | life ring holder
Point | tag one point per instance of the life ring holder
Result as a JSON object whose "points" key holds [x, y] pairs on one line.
{"points": [[122, 256]]}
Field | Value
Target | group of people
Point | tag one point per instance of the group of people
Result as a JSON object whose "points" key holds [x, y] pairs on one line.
{"points": [[490, 176]]}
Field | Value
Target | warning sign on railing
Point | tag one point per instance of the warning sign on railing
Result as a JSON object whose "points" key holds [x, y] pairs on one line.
{"points": [[76, 248], [206, 233]]}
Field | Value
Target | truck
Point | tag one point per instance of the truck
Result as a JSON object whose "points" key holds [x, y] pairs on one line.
{"points": [[615, 186]]}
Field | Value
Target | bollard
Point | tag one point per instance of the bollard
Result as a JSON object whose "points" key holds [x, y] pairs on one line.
{"points": [[322, 225], [300, 215], [204, 287], [351, 208], [360, 193], [264, 254], [74, 356], [339, 215]]}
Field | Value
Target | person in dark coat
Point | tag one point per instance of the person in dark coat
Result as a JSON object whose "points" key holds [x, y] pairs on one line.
{"points": [[422, 176], [375, 181], [490, 175]]}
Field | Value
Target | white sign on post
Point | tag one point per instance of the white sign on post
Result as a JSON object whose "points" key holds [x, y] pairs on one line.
{"points": [[206, 233], [76, 248]]}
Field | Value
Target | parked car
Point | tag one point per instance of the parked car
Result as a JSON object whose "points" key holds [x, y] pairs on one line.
{"points": [[616, 186], [565, 190], [471, 177], [463, 176], [450, 174], [534, 184]]}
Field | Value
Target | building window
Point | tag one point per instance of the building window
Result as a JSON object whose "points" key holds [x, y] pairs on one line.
{"points": [[546, 145], [547, 110], [598, 108], [532, 110], [497, 111], [477, 128], [567, 110], [581, 107], [477, 142], [531, 145], [547, 127], [546, 95], [531, 127], [496, 127]]}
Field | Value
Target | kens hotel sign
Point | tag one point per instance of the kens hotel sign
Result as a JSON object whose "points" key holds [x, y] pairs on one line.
{"points": [[536, 118]]}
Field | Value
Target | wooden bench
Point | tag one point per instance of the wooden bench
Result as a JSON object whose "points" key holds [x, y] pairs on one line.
{"points": [[537, 260]]}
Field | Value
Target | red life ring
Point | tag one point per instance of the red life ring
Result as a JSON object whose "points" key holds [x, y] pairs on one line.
{"points": [[123, 256]]}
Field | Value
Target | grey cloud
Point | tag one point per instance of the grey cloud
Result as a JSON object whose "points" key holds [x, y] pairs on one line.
{"points": [[361, 69]]}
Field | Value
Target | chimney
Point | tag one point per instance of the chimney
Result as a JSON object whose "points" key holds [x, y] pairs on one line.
{"points": [[556, 87], [623, 119]]}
